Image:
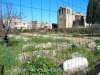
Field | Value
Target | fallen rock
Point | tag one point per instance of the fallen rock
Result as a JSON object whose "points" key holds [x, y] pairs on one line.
{"points": [[40, 53], [23, 56], [75, 64], [42, 46], [62, 45], [76, 54], [48, 45], [92, 45], [44, 53], [27, 45]]}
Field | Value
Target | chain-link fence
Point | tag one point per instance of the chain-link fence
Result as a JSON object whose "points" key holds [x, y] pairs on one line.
{"points": [[49, 37]]}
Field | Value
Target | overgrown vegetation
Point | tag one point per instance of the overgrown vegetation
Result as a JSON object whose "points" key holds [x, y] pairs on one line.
{"points": [[41, 66], [44, 66], [39, 40]]}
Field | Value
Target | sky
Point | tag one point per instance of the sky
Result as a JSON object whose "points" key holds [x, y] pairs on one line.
{"points": [[46, 10]]}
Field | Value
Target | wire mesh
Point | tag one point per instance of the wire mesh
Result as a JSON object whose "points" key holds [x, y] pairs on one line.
{"points": [[47, 37]]}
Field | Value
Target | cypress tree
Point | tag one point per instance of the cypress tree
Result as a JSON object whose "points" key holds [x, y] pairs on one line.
{"points": [[98, 14], [89, 15], [95, 12]]}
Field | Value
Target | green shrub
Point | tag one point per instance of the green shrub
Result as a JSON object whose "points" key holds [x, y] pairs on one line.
{"points": [[40, 66], [13, 42]]}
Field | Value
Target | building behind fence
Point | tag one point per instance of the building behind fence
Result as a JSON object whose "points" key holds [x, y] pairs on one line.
{"points": [[69, 19]]}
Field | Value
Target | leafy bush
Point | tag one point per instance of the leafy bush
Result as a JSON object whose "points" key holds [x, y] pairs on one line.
{"points": [[40, 66], [13, 42], [95, 28]]}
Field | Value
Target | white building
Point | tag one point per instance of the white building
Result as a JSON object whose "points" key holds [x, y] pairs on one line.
{"points": [[17, 23]]}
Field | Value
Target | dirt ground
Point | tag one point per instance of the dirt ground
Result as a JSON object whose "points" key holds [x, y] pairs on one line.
{"points": [[73, 39]]}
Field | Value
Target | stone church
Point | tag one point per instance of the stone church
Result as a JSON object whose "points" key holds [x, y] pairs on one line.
{"points": [[68, 19]]}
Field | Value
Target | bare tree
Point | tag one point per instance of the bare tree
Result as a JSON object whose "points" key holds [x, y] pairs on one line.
{"points": [[8, 15]]}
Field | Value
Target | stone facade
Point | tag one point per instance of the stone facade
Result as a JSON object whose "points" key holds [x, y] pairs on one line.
{"points": [[38, 24], [65, 17], [78, 19], [68, 19]]}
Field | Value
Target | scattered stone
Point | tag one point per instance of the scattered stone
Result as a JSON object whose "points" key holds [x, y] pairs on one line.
{"points": [[18, 37], [44, 53], [27, 45], [40, 53], [23, 56], [53, 53], [61, 45], [43, 46], [11, 36], [65, 45], [92, 45], [49, 44], [39, 46], [75, 64], [76, 54]]}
